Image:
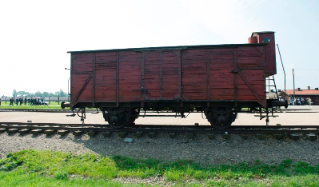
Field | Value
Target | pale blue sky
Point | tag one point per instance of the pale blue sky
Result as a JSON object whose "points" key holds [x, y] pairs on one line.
{"points": [[35, 35]]}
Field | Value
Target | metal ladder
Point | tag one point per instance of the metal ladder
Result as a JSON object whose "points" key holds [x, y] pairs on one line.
{"points": [[271, 85]]}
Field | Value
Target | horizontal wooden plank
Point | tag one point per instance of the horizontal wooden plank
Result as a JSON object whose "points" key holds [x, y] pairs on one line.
{"points": [[105, 89], [246, 98], [249, 52], [220, 58], [195, 96], [152, 76], [133, 74], [223, 92], [221, 67], [253, 73], [194, 86], [105, 81], [224, 51], [221, 97], [130, 99], [201, 91], [194, 77], [222, 85], [169, 95], [252, 61], [152, 86], [152, 67], [189, 61], [153, 94]]}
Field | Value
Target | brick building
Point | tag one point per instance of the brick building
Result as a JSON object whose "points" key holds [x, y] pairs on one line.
{"points": [[301, 94]]}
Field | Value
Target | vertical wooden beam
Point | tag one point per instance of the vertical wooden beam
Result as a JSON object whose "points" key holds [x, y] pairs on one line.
{"points": [[161, 76], [207, 77], [142, 78], [180, 77], [93, 87], [143, 71], [235, 77], [143, 89], [117, 79]]}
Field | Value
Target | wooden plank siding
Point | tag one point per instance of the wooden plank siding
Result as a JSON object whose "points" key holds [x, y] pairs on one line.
{"points": [[201, 74]]}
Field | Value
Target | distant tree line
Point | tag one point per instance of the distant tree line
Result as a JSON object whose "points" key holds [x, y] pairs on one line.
{"points": [[60, 93]]}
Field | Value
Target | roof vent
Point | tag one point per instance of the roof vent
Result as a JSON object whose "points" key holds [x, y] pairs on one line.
{"points": [[252, 40], [298, 89], [308, 87], [316, 88]]}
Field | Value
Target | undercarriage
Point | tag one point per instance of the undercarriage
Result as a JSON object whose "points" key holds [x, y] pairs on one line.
{"points": [[220, 115]]}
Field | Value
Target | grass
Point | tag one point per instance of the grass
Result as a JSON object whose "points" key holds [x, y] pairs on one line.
{"points": [[49, 168], [52, 105]]}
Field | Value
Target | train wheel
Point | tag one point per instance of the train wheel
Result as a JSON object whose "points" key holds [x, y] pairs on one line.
{"points": [[134, 115], [221, 121], [118, 120]]}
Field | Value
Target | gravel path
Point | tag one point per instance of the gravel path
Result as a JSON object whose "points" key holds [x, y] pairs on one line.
{"points": [[200, 149]]}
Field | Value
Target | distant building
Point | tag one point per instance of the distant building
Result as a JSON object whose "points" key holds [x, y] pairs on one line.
{"points": [[304, 94]]}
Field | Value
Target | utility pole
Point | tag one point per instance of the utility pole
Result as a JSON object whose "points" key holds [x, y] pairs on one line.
{"points": [[293, 82]]}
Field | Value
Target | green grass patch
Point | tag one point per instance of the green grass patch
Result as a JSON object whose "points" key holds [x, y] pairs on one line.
{"points": [[43, 167]]}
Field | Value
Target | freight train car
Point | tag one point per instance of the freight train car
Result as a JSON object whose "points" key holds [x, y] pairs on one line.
{"points": [[218, 80]]}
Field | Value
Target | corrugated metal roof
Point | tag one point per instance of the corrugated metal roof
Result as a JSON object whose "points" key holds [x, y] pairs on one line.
{"points": [[172, 47], [303, 92]]}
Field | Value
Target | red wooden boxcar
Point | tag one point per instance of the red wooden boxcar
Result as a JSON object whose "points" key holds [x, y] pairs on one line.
{"points": [[216, 79]]}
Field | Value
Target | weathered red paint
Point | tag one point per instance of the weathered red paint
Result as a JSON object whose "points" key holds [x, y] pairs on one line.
{"points": [[207, 73], [270, 51]]}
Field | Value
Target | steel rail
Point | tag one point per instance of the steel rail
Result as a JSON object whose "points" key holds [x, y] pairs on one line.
{"points": [[162, 126], [148, 114]]}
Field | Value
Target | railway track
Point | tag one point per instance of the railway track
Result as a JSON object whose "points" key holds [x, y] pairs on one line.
{"points": [[16, 127], [97, 111]]}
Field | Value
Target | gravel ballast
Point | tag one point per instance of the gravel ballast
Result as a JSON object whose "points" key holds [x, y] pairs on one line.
{"points": [[201, 149]]}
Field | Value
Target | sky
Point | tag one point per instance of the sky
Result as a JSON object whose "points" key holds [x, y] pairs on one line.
{"points": [[36, 35]]}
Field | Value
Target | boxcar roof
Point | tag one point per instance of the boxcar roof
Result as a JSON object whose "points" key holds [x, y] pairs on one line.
{"points": [[172, 47]]}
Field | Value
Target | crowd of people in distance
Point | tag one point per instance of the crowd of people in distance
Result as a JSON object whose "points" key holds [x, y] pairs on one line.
{"points": [[26, 101], [299, 101]]}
